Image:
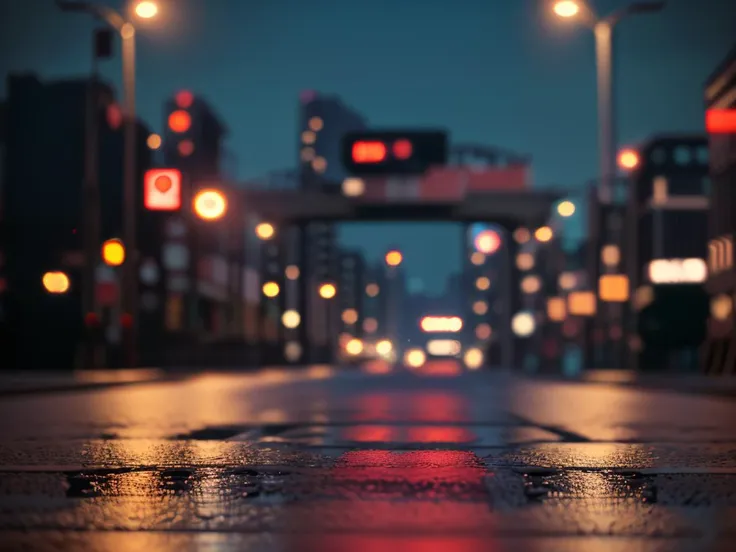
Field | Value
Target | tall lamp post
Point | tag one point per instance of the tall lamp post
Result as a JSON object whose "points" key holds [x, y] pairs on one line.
{"points": [[603, 28], [144, 10]]}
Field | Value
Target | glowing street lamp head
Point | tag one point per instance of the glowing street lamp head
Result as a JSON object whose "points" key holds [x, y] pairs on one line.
{"points": [[210, 204], [566, 8], [146, 9]]}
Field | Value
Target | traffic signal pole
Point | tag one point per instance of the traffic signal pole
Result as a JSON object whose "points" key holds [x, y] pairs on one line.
{"points": [[130, 268]]}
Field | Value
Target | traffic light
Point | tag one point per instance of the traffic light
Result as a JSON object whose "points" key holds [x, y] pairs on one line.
{"points": [[162, 190], [394, 151]]}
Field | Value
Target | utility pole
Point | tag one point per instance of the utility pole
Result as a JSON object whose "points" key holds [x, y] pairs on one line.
{"points": [[101, 49]]}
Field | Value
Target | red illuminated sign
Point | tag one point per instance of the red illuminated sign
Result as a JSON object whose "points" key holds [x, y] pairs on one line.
{"points": [[369, 152], [162, 190], [720, 121]]}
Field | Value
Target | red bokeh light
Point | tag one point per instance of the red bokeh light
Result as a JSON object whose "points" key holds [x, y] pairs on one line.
{"points": [[126, 320], [720, 121], [184, 99], [369, 152], [91, 320], [180, 121], [487, 242], [186, 148], [403, 149], [114, 116]]}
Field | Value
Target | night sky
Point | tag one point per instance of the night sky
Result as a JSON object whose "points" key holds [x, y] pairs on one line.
{"points": [[499, 72]]}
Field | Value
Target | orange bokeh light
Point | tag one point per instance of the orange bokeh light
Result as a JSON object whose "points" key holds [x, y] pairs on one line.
{"points": [[487, 242], [369, 152], [180, 121], [394, 258], [628, 159]]}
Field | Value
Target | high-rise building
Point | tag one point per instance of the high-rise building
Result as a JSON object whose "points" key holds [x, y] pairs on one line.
{"points": [[720, 98], [221, 302], [323, 121], [666, 253], [351, 288], [43, 207]]}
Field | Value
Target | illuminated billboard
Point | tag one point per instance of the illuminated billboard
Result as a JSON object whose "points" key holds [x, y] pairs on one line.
{"points": [[678, 271], [441, 324]]}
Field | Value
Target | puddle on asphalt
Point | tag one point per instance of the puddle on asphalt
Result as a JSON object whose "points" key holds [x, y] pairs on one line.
{"points": [[573, 484]]}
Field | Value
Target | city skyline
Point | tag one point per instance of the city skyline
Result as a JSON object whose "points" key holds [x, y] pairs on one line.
{"points": [[541, 70]]}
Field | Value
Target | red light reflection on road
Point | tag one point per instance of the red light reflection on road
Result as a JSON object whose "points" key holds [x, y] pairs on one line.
{"points": [[438, 406], [410, 408], [440, 368], [370, 543], [429, 493], [373, 408], [371, 434], [376, 367], [439, 434], [407, 434]]}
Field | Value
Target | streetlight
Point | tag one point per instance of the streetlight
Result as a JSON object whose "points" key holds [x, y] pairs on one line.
{"points": [[112, 18], [146, 9], [603, 28], [566, 8]]}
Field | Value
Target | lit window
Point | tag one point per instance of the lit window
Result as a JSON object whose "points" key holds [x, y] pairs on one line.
{"points": [[661, 191], [308, 137]]}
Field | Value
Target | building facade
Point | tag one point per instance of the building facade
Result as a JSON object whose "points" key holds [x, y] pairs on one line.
{"points": [[323, 121], [666, 251], [44, 208], [719, 351]]}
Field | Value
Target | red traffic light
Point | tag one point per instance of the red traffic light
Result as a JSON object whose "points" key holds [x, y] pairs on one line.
{"points": [[393, 152], [403, 149], [180, 121], [162, 190], [369, 152]]}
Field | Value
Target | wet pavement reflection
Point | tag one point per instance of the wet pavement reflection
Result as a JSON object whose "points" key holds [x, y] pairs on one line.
{"points": [[328, 459]]}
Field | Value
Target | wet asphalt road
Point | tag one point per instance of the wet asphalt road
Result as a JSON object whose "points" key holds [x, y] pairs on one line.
{"points": [[331, 460]]}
